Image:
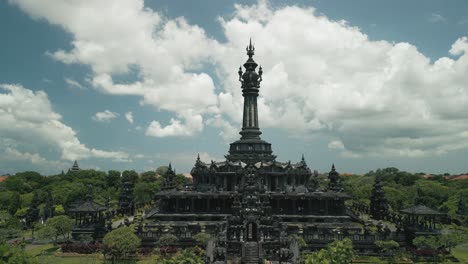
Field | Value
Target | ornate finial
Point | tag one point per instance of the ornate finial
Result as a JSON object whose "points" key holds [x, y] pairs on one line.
{"points": [[302, 159], [250, 49], [333, 167], [240, 73], [198, 157]]}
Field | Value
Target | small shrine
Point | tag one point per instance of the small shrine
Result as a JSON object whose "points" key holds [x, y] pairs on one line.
{"points": [[378, 202], [89, 218], [126, 199]]}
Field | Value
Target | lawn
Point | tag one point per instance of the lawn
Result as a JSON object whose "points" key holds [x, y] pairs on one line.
{"points": [[461, 253], [46, 249]]}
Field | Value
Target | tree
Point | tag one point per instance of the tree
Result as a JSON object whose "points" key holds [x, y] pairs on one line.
{"points": [[453, 239], [17, 184], [148, 176], [161, 170], [15, 203], [113, 178], [10, 254], [59, 210], [121, 242], [48, 232], [337, 252], [167, 239], [143, 193], [10, 226], [181, 180], [202, 238], [130, 176], [426, 242], [56, 226], [186, 256], [387, 246]]}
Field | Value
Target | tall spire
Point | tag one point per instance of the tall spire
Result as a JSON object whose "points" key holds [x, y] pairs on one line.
{"points": [[250, 81], [250, 148]]}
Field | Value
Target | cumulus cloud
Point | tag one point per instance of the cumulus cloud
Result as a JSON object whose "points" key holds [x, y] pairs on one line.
{"points": [[162, 50], [129, 117], [34, 158], [27, 121], [324, 76], [320, 75], [105, 116], [187, 125]]}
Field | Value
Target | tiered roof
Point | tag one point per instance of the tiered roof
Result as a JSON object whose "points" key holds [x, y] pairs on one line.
{"points": [[420, 210]]}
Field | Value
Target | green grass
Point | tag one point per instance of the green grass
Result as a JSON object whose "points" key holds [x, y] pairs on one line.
{"points": [[461, 253], [91, 259], [84, 259], [46, 249]]}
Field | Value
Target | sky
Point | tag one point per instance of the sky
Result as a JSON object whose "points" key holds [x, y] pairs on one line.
{"points": [[135, 84]]}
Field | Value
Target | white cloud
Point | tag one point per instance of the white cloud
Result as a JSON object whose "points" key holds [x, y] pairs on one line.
{"points": [[187, 125], [129, 117], [34, 158], [105, 116], [138, 36], [27, 121], [436, 18], [336, 144], [320, 76], [324, 76], [74, 84]]}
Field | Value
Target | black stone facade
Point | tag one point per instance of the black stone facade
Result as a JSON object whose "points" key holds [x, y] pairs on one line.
{"points": [[251, 203]]}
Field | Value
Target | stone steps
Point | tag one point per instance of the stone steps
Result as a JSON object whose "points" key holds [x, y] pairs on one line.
{"points": [[251, 253]]}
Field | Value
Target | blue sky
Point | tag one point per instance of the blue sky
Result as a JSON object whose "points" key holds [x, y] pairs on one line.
{"points": [[363, 84]]}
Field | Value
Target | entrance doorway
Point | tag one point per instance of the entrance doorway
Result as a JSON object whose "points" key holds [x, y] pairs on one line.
{"points": [[251, 231]]}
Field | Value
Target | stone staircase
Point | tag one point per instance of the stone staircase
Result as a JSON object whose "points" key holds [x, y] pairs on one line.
{"points": [[251, 253]]}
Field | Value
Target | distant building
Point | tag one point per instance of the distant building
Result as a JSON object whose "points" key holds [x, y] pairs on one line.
{"points": [[75, 167], [459, 177]]}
